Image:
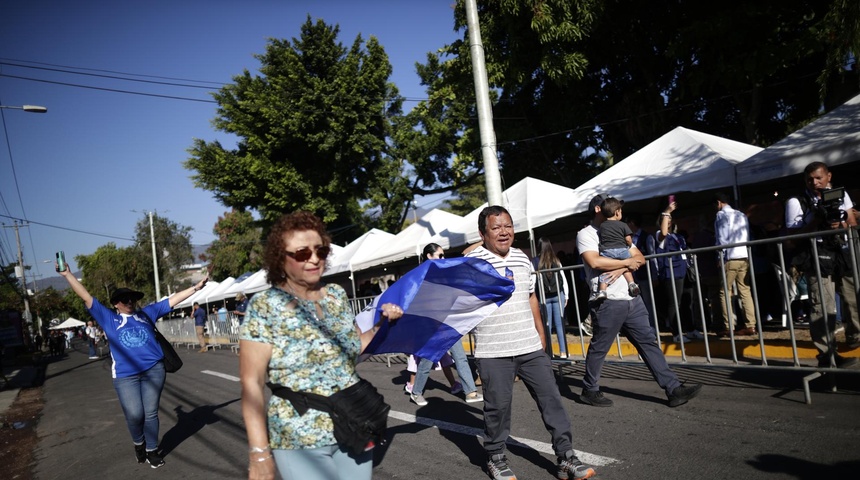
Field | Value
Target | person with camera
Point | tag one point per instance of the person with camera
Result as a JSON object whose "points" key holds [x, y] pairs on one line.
{"points": [[821, 208]]}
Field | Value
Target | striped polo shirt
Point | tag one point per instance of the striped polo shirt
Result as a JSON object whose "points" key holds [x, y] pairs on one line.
{"points": [[510, 331]]}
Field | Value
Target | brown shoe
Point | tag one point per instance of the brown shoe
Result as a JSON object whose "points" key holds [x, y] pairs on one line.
{"points": [[203, 350], [723, 334], [745, 331]]}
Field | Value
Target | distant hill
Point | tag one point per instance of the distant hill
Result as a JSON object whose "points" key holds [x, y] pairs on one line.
{"points": [[54, 280]]}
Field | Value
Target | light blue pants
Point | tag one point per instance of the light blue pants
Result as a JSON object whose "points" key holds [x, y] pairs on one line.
{"points": [[463, 371], [139, 396], [324, 463], [554, 320]]}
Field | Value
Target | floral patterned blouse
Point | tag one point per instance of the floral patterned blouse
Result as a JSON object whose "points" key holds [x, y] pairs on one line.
{"points": [[309, 354]]}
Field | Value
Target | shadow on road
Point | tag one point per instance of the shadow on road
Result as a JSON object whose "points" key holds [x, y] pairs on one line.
{"points": [[189, 423]]}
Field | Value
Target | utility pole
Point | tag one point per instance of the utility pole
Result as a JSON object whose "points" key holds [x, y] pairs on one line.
{"points": [[19, 273], [154, 259], [485, 110]]}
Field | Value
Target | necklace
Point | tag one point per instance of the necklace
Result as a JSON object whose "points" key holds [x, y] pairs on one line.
{"points": [[312, 306]]}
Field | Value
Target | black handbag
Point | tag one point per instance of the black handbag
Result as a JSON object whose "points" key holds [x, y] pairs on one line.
{"points": [[359, 413], [172, 362]]}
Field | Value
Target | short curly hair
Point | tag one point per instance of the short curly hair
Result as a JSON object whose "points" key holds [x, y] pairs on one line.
{"points": [[275, 256]]}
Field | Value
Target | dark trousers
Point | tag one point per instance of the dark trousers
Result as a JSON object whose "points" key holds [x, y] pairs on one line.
{"points": [[611, 317], [535, 370]]}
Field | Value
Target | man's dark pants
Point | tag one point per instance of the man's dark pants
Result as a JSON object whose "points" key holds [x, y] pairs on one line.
{"points": [[630, 316], [535, 370]]}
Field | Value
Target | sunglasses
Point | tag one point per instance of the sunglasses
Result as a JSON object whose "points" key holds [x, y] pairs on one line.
{"points": [[126, 300], [304, 254]]}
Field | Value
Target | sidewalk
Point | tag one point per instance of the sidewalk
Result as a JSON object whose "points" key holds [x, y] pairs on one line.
{"points": [[19, 376]]}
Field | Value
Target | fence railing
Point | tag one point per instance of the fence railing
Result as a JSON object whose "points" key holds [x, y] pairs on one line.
{"points": [[778, 264]]}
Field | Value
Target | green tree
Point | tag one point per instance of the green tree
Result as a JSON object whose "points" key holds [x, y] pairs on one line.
{"points": [[574, 81], [111, 267], [239, 247], [173, 250], [11, 294], [49, 303], [312, 129]]}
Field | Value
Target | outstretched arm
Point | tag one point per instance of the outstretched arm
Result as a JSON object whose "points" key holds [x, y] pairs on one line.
{"points": [[77, 287], [180, 296]]}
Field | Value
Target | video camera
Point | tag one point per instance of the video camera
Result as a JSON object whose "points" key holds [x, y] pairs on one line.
{"points": [[831, 205]]}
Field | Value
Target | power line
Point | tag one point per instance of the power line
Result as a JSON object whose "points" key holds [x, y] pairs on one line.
{"points": [[128, 92], [117, 237], [113, 77]]}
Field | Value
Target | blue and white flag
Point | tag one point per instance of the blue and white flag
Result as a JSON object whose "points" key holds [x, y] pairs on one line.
{"points": [[442, 300]]}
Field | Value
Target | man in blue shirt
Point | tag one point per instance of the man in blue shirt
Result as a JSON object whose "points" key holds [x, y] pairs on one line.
{"points": [[241, 306], [199, 315]]}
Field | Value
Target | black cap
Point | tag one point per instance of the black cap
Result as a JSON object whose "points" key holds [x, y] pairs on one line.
{"points": [[124, 293], [596, 202]]}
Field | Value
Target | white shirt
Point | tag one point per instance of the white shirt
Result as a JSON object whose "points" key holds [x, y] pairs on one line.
{"points": [[732, 226], [588, 241]]}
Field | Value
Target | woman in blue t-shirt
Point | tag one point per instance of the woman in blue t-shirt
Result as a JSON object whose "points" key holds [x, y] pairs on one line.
{"points": [[138, 361]]}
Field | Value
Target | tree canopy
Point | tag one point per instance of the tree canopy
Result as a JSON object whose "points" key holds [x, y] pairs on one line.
{"points": [[111, 267], [312, 130], [239, 247]]}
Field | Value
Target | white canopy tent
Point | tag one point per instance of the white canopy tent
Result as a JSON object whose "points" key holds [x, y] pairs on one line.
{"points": [[253, 284], [833, 139], [69, 323], [681, 160], [215, 295], [356, 252], [198, 296], [531, 202], [411, 241]]}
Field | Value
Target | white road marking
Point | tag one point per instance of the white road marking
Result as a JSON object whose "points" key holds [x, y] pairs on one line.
{"points": [[587, 458], [221, 375]]}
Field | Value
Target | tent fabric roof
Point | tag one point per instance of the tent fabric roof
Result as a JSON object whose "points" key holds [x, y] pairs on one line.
{"points": [[253, 284], [531, 203], [410, 242], [199, 295], [356, 251], [69, 323], [833, 139], [680, 160]]}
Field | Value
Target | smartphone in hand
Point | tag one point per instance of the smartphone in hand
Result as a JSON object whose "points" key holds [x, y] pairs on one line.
{"points": [[671, 199], [61, 262]]}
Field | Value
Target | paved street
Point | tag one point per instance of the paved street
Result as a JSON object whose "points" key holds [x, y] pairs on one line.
{"points": [[745, 424]]}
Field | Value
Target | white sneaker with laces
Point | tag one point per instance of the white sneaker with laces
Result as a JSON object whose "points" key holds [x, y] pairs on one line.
{"points": [[418, 399]]}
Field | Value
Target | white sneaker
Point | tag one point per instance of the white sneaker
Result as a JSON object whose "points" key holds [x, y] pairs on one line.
{"points": [[408, 387], [418, 399], [474, 397]]}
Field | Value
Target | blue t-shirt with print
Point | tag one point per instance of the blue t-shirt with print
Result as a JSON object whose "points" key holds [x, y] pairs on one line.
{"points": [[133, 346]]}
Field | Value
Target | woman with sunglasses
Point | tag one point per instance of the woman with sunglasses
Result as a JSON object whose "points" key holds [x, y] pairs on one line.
{"points": [[138, 366], [301, 334], [434, 252]]}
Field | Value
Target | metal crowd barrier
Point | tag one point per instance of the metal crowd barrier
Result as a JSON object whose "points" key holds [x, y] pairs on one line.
{"points": [[782, 273]]}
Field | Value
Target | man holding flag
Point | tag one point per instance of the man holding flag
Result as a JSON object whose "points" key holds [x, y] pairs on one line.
{"points": [[510, 343]]}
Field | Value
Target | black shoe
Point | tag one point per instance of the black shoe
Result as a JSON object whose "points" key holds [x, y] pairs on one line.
{"points": [[683, 394], [595, 398], [841, 362], [853, 343], [154, 459], [140, 452]]}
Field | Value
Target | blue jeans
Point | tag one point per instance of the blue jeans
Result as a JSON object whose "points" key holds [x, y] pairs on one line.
{"points": [[92, 344], [323, 463], [139, 396], [463, 371], [554, 314]]}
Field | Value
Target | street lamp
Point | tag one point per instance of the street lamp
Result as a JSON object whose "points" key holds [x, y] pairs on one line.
{"points": [[28, 108]]}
